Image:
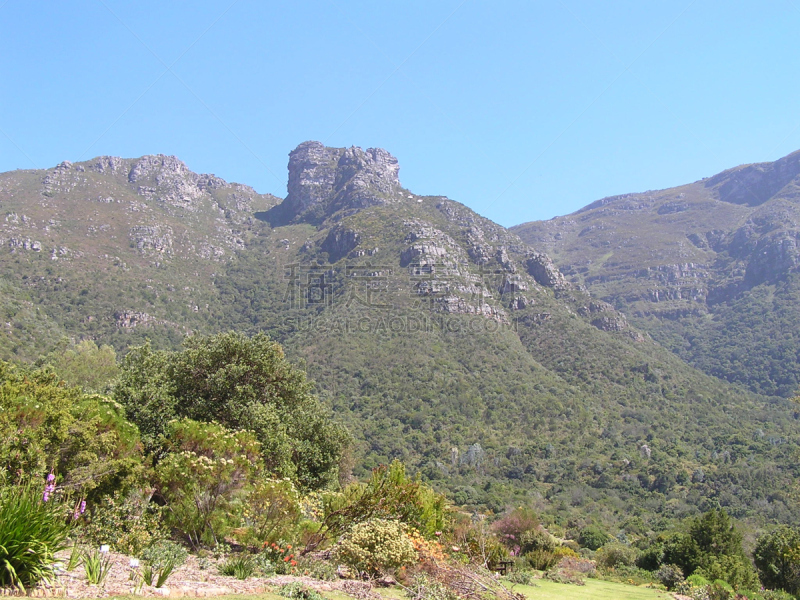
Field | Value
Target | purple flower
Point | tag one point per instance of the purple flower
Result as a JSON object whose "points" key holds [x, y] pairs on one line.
{"points": [[83, 506], [49, 488]]}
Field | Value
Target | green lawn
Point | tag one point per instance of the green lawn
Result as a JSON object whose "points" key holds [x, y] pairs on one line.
{"points": [[594, 590], [544, 590]]}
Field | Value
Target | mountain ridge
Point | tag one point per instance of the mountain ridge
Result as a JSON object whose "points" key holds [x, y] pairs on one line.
{"points": [[670, 258], [436, 335]]}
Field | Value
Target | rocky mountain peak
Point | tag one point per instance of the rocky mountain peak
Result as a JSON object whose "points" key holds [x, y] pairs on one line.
{"points": [[752, 185], [323, 180]]}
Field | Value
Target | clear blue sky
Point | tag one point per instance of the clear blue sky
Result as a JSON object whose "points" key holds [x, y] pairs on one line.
{"points": [[521, 110]]}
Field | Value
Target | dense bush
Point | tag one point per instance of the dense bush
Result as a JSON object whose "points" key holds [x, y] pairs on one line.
{"points": [[670, 576], [84, 364], [271, 509], [128, 523], [206, 468], [615, 555], [777, 558], [375, 547], [164, 552], [510, 527], [241, 383], [47, 427], [388, 494], [593, 537], [33, 527]]}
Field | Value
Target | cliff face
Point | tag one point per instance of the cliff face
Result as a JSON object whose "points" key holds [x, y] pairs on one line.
{"points": [[325, 180]]}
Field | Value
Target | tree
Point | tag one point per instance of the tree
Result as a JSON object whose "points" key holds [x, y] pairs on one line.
{"points": [[777, 558], [242, 383], [84, 364]]}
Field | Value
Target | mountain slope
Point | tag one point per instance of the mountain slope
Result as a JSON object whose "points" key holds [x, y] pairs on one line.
{"points": [[709, 268], [436, 335]]}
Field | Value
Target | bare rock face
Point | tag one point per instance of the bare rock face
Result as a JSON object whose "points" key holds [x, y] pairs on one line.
{"points": [[340, 242], [323, 180], [542, 269]]}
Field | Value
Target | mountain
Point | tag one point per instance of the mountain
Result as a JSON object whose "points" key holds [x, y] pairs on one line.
{"points": [[709, 269], [437, 336]]}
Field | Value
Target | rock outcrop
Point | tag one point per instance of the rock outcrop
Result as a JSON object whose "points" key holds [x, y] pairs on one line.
{"points": [[324, 180]]}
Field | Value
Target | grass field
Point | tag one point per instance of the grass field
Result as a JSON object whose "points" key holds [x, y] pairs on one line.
{"points": [[594, 590], [544, 590]]}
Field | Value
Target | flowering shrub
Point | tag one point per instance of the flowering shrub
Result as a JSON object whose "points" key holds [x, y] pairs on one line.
{"points": [[375, 547], [271, 510], [510, 527], [128, 523], [389, 494], [283, 558], [207, 467]]}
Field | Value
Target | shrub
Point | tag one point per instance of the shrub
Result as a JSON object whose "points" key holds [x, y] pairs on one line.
{"points": [[271, 510], [542, 560], [736, 570], [31, 532], [776, 595], [323, 570], [375, 547], [669, 575], [777, 558], [282, 558], [614, 555], [537, 539], [389, 494], [593, 537], [128, 523], [297, 591], [520, 576], [163, 552], [46, 427], [565, 577], [240, 566], [242, 383], [205, 470], [510, 527]]}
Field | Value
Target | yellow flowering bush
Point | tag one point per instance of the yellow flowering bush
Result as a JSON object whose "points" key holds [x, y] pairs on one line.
{"points": [[203, 477], [375, 547], [271, 510]]}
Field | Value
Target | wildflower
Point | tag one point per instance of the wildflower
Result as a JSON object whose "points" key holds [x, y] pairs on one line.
{"points": [[49, 488], [294, 563]]}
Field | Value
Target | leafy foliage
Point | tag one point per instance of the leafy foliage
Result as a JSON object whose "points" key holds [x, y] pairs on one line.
{"points": [[388, 494], [777, 558], [47, 427], [593, 537], [375, 547], [31, 532], [205, 468], [84, 364], [239, 382], [129, 523]]}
